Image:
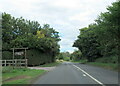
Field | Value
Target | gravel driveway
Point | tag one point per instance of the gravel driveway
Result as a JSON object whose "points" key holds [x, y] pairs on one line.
{"points": [[42, 68]]}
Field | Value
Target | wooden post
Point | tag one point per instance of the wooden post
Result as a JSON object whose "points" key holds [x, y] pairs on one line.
{"points": [[25, 59], [13, 58], [15, 62], [19, 61], [5, 62], [25, 53], [26, 63]]}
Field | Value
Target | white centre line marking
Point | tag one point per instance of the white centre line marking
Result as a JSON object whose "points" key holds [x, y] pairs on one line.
{"points": [[89, 75]]}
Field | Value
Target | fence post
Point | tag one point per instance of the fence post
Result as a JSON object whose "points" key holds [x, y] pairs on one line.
{"points": [[15, 62], [13, 58], [5, 62], [26, 63], [20, 63]]}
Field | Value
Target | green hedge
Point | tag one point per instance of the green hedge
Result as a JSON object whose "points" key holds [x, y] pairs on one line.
{"points": [[7, 55], [111, 59], [34, 56]]}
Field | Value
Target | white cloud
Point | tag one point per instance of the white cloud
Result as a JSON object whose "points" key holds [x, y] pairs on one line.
{"points": [[82, 16], [70, 4]]}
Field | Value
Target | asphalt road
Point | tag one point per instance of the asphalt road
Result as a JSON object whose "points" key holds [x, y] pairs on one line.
{"points": [[75, 73]]}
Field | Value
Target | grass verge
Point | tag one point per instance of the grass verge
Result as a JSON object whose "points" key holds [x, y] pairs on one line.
{"points": [[105, 65], [80, 61], [20, 76], [110, 66]]}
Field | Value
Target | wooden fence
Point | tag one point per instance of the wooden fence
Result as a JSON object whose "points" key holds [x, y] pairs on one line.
{"points": [[15, 62]]}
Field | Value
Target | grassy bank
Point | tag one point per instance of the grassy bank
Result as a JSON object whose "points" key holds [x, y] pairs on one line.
{"points": [[80, 61], [111, 66], [19, 76]]}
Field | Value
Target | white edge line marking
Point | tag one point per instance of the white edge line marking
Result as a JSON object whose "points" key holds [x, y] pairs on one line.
{"points": [[89, 75], [84, 75]]}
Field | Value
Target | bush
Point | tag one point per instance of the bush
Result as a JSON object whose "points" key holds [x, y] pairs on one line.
{"points": [[111, 59], [6, 69], [67, 58], [35, 57], [7, 54], [83, 61]]}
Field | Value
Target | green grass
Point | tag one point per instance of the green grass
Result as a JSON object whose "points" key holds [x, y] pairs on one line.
{"points": [[66, 58], [111, 66], [50, 64], [80, 61], [20, 76]]}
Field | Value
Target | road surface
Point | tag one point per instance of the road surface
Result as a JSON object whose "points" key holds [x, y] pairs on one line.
{"points": [[75, 73]]}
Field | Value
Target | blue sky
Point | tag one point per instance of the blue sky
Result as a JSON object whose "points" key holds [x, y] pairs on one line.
{"points": [[65, 16]]}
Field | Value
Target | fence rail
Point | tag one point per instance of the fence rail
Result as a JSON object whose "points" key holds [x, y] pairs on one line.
{"points": [[15, 62]]}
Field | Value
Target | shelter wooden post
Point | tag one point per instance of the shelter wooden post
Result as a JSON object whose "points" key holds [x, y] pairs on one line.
{"points": [[13, 58], [5, 62], [25, 59], [14, 62]]}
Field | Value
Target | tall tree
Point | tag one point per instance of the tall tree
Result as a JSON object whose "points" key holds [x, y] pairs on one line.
{"points": [[101, 39], [18, 32]]}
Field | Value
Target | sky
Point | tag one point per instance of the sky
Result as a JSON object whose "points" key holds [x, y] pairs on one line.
{"points": [[65, 16]]}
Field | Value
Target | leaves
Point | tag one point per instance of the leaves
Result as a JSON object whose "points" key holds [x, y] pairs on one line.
{"points": [[101, 38], [18, 33]]}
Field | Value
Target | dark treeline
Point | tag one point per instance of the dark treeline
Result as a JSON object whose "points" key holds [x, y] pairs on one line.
{"points": [[64, 56], [42, 42], [100, 40], [76, 55]]}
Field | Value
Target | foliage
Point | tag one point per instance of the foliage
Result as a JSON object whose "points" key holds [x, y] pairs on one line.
{"points": [[81, 61], [18, 33], [76, 55], [40, 34], [64, 56], [87, 43], [111, 59], [100, 39]]}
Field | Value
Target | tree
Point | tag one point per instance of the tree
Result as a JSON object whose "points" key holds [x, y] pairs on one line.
{"points": [[101, 39], [18, 32], [64, 56], [76, 55], [108, 30], [87, 43]]}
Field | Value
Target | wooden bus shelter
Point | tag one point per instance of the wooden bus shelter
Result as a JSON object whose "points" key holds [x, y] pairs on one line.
{"points": [[15, 61]]}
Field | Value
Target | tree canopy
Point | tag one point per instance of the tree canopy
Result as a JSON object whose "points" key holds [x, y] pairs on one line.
{"points": [[19, 32], [100, 39]]}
